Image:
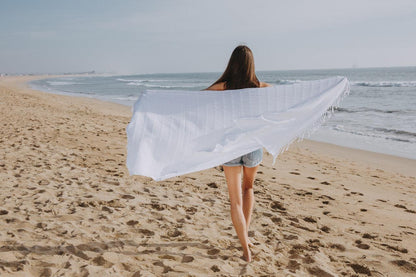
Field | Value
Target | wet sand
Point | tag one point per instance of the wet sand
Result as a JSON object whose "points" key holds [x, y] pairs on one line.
{"points": [[68, 206]]}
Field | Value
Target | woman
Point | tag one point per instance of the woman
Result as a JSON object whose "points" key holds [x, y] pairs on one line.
{"points": [[240, 74]]}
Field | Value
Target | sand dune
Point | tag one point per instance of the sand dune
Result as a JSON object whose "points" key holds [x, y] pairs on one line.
{"points": [[69, 208]]}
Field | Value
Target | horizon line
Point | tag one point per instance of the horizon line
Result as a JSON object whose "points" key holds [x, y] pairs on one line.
{"points": [[94, 72]]}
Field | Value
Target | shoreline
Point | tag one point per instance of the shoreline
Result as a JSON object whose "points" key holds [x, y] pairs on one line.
{"points": [[406, 166], [381, 159], [68, 205], [325, 139]]}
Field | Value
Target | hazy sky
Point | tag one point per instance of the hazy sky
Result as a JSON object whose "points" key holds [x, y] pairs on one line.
{"points": [[198, 36]]}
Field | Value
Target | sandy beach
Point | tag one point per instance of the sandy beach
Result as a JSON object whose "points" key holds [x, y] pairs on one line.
{"points": [[68, 206]]}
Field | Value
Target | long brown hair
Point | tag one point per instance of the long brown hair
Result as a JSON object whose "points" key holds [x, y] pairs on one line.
{"points": [[240, 70]]}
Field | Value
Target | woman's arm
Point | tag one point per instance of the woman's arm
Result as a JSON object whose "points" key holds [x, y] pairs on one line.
{"points": [[263, 85]]}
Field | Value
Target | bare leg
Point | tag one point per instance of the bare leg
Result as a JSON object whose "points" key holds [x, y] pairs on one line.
{"points": [[233, 178], [248, 193]]}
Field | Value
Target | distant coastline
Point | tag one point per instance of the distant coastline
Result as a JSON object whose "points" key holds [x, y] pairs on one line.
{"points": [[98, 73]]}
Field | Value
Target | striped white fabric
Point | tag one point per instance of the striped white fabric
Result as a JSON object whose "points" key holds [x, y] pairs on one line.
{"points": [[176, 132]]}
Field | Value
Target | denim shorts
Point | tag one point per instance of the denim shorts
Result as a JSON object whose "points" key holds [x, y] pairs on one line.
{"points": [[251, 159]]}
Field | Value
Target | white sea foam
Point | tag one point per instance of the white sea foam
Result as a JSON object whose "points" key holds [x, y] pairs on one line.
{"points": [[60, 83], [124, 80], [287, 82], [142, 80], [385, 84], [159, 86], [135, 83]]}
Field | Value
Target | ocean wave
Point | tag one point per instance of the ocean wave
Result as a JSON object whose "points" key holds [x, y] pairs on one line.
{"points": [[160, 86], [128, 98], [143, 80], [135, 83], [131, 80], [358, 110], [383, 133], [125, 80], [386, 84], [287, 82], [150, 86], [396, 132], [60, 83]]}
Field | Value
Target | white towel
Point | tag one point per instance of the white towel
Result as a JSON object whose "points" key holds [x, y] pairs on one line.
{"points": [[177, 132]]}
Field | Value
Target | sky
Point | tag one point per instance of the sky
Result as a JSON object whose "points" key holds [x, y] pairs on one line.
{"points": [[162, 36]]}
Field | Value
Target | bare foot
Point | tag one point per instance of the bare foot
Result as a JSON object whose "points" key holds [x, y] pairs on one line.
{"points": [[250, 244], [247, 255]]}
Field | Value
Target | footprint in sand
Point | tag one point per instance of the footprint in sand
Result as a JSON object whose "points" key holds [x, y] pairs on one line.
{"points": [[405, 265], [294, 173], [276, 219], [132, 222], [166, 269], [213, 251], [14, 265], [174, 233], [167, 257], [43, 182], [158, 207], [3, 212], [337, 246], [100, 261], [212, 185], [76, 252], [326, 197], [309, 219], [395, 248], [276, 205], [369, 236], [146, 232], [361, 245], [191, 210], [317, 271], [290, 237], [360, 269], [187, 259], [215, 268], [107, 209], [325, 229], [127, 196], [293, 265]]}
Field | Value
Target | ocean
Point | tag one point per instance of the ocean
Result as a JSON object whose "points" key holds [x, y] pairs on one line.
{"points": [[379, 115]]}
